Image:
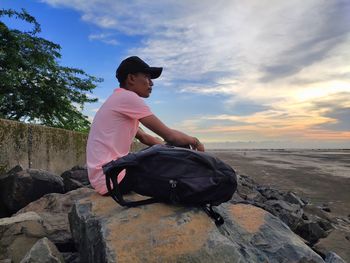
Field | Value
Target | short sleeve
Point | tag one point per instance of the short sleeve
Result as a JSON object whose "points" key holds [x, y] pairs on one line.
{"points": [[134, 107]]}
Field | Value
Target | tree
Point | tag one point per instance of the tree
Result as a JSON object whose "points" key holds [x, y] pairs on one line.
{"points": [[33, 86]]}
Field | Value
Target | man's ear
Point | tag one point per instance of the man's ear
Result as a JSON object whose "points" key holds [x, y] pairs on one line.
{"points": [[130, 78]]}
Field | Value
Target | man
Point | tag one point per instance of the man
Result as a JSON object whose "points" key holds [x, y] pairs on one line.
{"points": [[117, 122]]}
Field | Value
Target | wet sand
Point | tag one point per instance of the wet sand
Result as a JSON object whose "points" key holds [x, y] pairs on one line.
{"points": [[319, 176]]}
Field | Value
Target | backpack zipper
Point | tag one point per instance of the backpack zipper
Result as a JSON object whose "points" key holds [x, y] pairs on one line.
{"points": [[173, 183]]}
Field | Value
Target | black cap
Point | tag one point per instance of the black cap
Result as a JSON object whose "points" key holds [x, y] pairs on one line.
{"points": [[133, 65]]}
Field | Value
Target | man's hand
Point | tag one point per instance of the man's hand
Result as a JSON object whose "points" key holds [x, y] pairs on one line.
{"points": [[197, 145], [201, 148]]}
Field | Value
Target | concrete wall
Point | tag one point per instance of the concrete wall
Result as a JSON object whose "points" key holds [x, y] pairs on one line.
{"points": [[41, 147]]}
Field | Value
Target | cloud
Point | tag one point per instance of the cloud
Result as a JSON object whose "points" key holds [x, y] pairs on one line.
{"points": [[256, 40], [327, 33], [342, 116], [101, 21], [278, 63], [105, 38], [159, 102], [337, 108], [322, 118], [319, 79]]}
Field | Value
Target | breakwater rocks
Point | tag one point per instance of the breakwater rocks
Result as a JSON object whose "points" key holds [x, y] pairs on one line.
{"points": [[50, 218]]}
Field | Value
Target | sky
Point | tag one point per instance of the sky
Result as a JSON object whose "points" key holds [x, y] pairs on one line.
{"points": [[237, 74]]}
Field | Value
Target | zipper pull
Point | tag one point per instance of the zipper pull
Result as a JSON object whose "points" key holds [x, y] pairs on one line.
{"points": [[173, 183]]}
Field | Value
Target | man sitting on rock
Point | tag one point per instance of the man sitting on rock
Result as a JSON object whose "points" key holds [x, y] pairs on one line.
{"points": [[117, 122]]}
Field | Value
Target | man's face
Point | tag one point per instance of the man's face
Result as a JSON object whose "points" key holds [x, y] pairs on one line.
{"points": [[142, 84]]}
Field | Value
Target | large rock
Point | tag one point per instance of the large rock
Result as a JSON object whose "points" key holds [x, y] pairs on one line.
{"points": [[106, 232], [285, 205], [313, 227], [75, 178], [20, 187], [311, 231], [316, 211], [289, 213], [332, 257], [309, 222], [18, 234], [53, 209], [43, 251]]}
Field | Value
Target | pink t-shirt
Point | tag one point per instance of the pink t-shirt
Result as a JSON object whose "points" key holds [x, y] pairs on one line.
{"points": [[112, 132]]}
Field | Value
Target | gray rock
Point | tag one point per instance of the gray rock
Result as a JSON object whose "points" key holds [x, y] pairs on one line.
{"points": [[53, 209], [290, 214], [266, 233], [246, 181], [18, 234], [332, 257], [292, 198], [247, 191], [313, 227], [75, 178], [106, 232], [43, 251], [236, 198], [325, 224], [288, 207], [311, 231], [316, 211], [270, 193], [20, 187], [250, 194]]}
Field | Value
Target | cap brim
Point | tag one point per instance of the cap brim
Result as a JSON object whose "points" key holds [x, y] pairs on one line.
{"points": [[154, 72]]}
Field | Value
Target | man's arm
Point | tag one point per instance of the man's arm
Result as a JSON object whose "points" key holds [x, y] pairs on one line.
{"points": [[147, 139], [172, 136]]}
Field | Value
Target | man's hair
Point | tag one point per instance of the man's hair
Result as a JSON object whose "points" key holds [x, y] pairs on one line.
{"points": [[122, 83]]}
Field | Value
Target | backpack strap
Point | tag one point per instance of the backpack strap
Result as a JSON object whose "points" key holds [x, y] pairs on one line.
{"points": [[111, 170], [218, 219]]}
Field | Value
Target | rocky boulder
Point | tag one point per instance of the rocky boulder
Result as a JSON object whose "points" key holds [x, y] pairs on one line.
{"points": [[106, 232], [43, 251], [53, 210], [19, 187], [309, 222], [332, 257], [18, 234], [75, 178]]}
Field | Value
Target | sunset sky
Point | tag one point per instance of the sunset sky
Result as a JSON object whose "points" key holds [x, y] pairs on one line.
{"points": [[256, 73]]}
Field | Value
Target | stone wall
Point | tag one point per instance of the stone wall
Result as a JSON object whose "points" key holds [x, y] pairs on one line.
{"points": [[41, 147]]}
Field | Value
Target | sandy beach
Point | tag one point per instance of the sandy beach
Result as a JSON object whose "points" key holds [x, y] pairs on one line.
{"points": [[319, 176]]}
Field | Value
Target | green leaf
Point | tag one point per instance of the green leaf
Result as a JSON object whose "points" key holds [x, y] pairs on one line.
{"points": [[33, 86]]}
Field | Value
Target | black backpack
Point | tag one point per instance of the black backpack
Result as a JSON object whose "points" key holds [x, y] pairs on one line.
{"points": [[173, 175]]}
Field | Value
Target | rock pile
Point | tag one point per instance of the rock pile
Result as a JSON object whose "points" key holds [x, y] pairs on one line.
{"points": [[52, 218], [20, 187], [287, 206]]}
